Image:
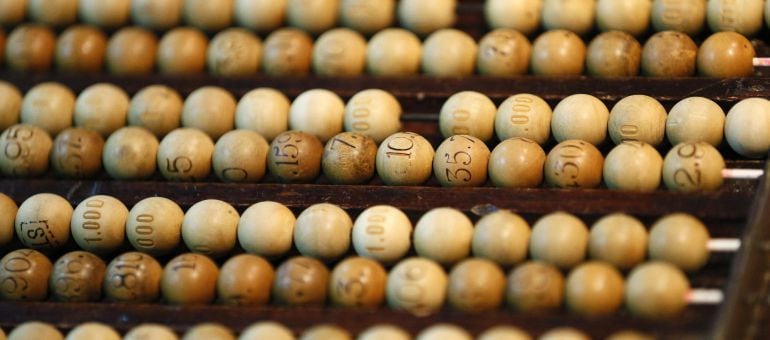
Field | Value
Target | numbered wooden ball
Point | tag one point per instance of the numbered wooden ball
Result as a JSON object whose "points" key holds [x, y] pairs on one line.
{"points": [[210, 109], [656, 290], [156, 14], [150, 331], [502, 237], [504, 52], [393, 52], [573, 15], [357, 282], [382, 233], [267, 330], [81, 49], [130, 153], [412, 14], [614, 54], [669, 54], [517, 163], [468, 113], [559, 238], [101, 107], [185, 155], [339, 52], [154, 225], [432, 235], [241, 156], [98, 224], [461, 161], [535, 286], [367, 17], [263, 110], [259, 15], [319, 112], [637, 118], [49, 106], [210, 227], [205, 331], [744, 17], [30, 48], [574, 164], [35, 330], [374, 113], [133, 277], [266, 229], [42, 222], [449, 53], [301, 281], [322, 231], [287, 51], [26, 151], [626, 16], [594, 288], [417, 285], [77, 277], [313, 16], [295, 157], [245, 280], [618, 239], [726, 54], [12, 12], [680, 239], [208, 15], [695, 119], [131, 51], [693, 166], [53, 13], [686, 16], [189, 279], [93, 330], [476, 285], [564, 333], [157, 108], [405, 158], [349, 158], [24, 274], [182, 50], [8, 211], [504, 333], [444, 331], [580, 116], [10, 104], [746, 127], [234, 52], [77, 153], [633, 166], [524, 115], [384, 332], [104, 13], [521, 15]]}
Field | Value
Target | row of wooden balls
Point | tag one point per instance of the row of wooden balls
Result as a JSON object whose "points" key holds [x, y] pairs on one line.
{"points": [[417, 285]]}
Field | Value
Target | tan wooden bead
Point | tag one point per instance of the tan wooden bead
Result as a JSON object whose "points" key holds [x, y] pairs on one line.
{"points": [[130, 153], [767, 13], [744, 17], [504, 52], [687, 16], [574, 164], [571, 15], [210, 227], [461, 161], [208, 15], [267, 330], [185, 155], [535, 286], [234, 52], [374, 113], [325, 332], [131, 51], [35, 330], [154, 225], [656, 290], [207, 331], [240, 156], [49, 106], [98, 224], [319, 112], [393, 52], [580, 116], [614, 54], [502, 237], [53, 12], [383, 233], [564, 333], [628, 16], [384, 332], [295, 157], [8, 211], [504, 333], [637, 118], [746, 127], [157, 108], [358, 282], [417, 285], [24, 273], [339, 52], [2, 334], [449, 53], [81, 49], [12, 12], [287, 52], [266, 229], [189, 279], [77, 277], [301, 281], [443, 235], [517, 163], [263, 110], [157, 14], [405, 158], [26, 151], [559, 238], [93, 330], [104, 13], [476, 285], [726, 54], [349, 158], [444, 331], [314, 16], [133, 277], [259, 15], [425, 17], [245, 280], [695, 119], [558, 53], [693, 166], [322, 231], [101, 107], [618, 239], [630, 335], [521, 15], [669, 54], [524, 115], [594, 288], [42, 222], [150, 331], [634, 166], [367, 16], [468, 113], [680, 239], [10, 105], [182, 50]]}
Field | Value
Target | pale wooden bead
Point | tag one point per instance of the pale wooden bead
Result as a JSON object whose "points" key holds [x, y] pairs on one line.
{"points": [[417, 285], [383, 233], [325, 332], [98, 224], [504, 52], [637, 118], [680, 239], [259, 15], [558, 53], [405, 158], [133, 277], [50, 106], [559, 238], [319, 112], [154, 225], [295, 157], [24, 273], [468, 113], [150, 331], [81, 49], [656, 290], [425, 17], [209, 331], [669, 54], [208, 15], [185, 155], [263, 110], [301, 281], [240, 156], [521, 15], [501, 236], [157, 108], [632, 17], [8, 210], [693, 166], [634, 166], [618, 239], [101, 107], [613, 54], [30, 47], [245, 280], [26, 150], [35, 330], [695, 119], [746, 127], [374, 113], [384, 332], [210, 227], [461, 161], [444, 331], [53, 12], [726, 55], [393, 52], [157, 14], [687, 16], [476, 285], [189, 279], [358, 282], [322, 231], [574, 164], [234, 52], [443, 235], [580, 116], [744, 17], [339, 52], [131, 51], [594, 288], [571, 15], [504, 333], [267, 330], [367, 16], [564, 333], [524, 115], [93, 330], [314, 16], [287, 51], [182, 50], [42, 222], [349, 158], [12, 11], [130, 153], [517, 163], [104, 13], [449, 53], [266, 229], [10, 105], [630, 335]]}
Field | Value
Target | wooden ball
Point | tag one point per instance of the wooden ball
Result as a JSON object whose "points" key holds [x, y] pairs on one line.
{"points": [[12, 12], [504, 52], [24, 275], [266, 229], [504, 333], [630, 335], [695, 119], [405, 158], [207, 331], [669, 54], [393, 52], [349, 158], [263, 110], [468, 113], [234, 52], [743, 17], [476, 285], [185, 155], [104, 13], [154, 225], [618, 239], [367, 16], [241, 156], [449, 53], [259, 15], [339, 52], [8, 210], [131, 51], [319, 112], [686, 16], [295, 157], [693, 166], [325, 332], [93, 330], [444, 331], [287, 52], [614, 54], [633, 166], [314, 16], [725, 55], [637, 118], [517, 163], [461, 161], [10, 104], [210, 227], [443, 235], [53, 13], [559, 238], [564, 333], [208, 15], [26, 151], [267, 330], [632, 17], [417, 285], [358, 282], [656, 290], [521, 15], [156, 14], [189, 279], [245, 280], [580, 116], [384, 332], [558, 53], [77, 153], [150, 331], [81, 49], [502, 237], [130, 153], [322, 231], [425, 17], [77, 277], [570, 15], [574, 164], [594, 288], [524, 115], [383, 233], [132, 277], [35, 330], [301, 281], [101, 107], [182, 50], [49, 106], [157, 108], [746, 127], [374, 113], [98, 224], [42, 222], [680, 239]]}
